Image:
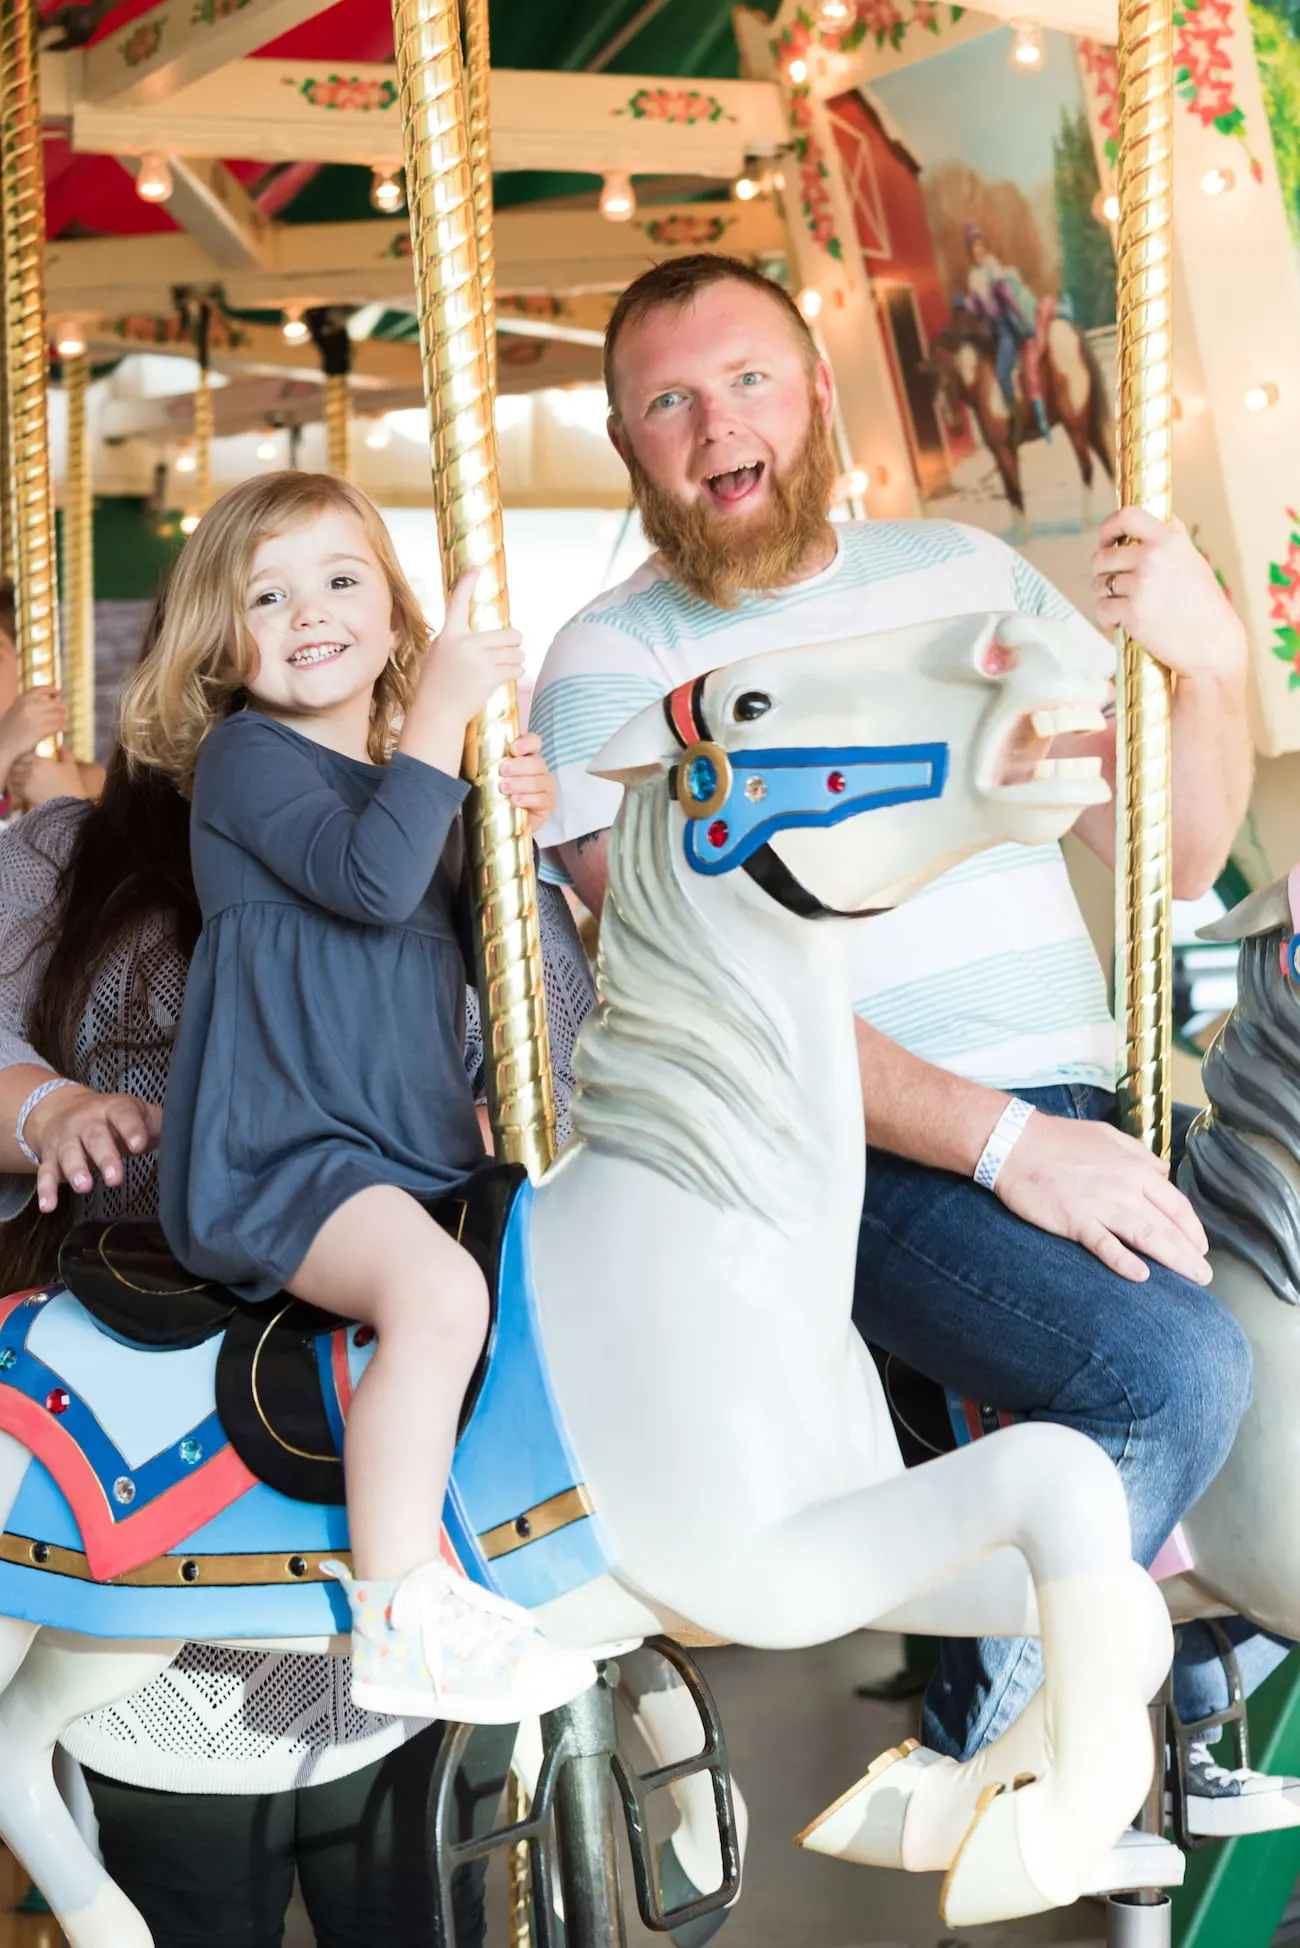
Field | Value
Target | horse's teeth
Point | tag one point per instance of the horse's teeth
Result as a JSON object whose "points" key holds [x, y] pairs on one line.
{"points": [[1067, 768]]}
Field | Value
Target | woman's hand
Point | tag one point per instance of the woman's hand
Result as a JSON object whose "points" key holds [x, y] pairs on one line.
{"points": [[76, 1132], [526, 781], [29, 720], [35, 780]]}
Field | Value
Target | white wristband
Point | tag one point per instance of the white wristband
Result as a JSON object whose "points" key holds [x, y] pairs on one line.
{"points": [[1007, 1132], [37, 1096]]}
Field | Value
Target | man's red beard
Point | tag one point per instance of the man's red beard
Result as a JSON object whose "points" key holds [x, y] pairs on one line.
{"points": [[716, 555]]}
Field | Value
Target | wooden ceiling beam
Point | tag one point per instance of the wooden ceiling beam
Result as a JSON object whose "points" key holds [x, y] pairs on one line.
{"points": [[294, 111], [558, 252], [211, 205], [178, 44]]}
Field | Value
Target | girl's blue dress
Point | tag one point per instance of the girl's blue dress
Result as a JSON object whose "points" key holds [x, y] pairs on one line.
{"points": [[319, 1049]]}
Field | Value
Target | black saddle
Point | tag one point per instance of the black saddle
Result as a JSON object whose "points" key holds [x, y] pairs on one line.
{"points": [[268, 1392]]}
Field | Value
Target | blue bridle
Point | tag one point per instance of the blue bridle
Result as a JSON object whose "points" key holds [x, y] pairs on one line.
{"points": [[735, 806]]}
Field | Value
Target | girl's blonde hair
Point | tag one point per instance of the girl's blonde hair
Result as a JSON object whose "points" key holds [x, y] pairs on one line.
{"points": [[200, 664]]}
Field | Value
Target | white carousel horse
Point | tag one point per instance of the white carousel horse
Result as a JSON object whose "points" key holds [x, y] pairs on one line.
{"points": [[1242, 1173], [717, 1450]]}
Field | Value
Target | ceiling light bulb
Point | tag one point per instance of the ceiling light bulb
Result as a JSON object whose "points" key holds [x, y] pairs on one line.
{"points": [[69, 339], [1110, 208], [294, 329], [266, 447], [810, 302], [617, 197], [798, 72], [187, 460], [1260, 397], [387, 193], [1198, 404], [188, 523], [378, 434], [1217, 182], [746, 188], [153, 182], [1028, 52], [834, 13], [856, 482]]}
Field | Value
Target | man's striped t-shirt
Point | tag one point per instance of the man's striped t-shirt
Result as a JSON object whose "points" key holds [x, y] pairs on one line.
{"points": [[990, 972]]}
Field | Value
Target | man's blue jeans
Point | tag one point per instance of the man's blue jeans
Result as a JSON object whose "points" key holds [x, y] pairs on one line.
{"points": [[1158, 1373]]}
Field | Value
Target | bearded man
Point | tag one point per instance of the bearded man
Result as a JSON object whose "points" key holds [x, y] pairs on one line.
{"points": [[1074, 1289]]}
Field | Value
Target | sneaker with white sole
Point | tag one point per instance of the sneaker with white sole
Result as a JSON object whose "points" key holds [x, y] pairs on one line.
{"points": [[438, 1646], [1223, 1804]]}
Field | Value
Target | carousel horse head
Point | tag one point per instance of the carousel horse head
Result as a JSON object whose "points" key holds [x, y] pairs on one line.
{"points": [[942, 731], [1243, 1155]]}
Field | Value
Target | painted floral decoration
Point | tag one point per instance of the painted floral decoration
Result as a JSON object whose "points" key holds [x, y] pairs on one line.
{"points": [[692, 232], [352, 94], [1203, 70], [143, 44], [1284, 601], [208, 12], [1101, 67], [686, 107]]}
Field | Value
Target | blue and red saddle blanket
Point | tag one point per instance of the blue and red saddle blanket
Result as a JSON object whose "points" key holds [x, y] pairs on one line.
{"points": [[136, 1517]]}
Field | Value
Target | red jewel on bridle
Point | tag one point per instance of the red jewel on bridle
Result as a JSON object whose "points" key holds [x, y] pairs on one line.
{"points": [[837, 782]]}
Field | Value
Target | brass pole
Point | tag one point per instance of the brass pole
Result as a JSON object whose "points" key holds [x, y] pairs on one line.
{"points": [[519, 1878], [1143, 858], [22, 219], [467, 497], [337, 414], [478, 114], [202, 441], [78, 564], [6, 472], [328, 325]]}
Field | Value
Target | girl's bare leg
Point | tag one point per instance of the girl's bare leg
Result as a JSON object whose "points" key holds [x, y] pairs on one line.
{"points": [[381, 1259]]}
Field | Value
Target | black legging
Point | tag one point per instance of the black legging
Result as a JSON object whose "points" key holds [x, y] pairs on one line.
{"points": [[216, 1870]]}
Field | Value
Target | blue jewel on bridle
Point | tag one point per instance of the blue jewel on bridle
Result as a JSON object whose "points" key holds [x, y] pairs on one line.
{"points": [[735, 806]]}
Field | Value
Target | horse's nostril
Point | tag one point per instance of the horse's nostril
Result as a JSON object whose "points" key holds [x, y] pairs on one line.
{"points": [[996, 659], [750, 705]]}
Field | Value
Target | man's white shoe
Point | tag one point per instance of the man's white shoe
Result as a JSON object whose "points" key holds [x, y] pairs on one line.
{"points": [[438, 1646]]}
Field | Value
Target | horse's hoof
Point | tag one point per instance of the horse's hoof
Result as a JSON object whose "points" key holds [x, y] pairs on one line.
{"points": [[866, 1823], [1138, 1860], [988, 1880]]}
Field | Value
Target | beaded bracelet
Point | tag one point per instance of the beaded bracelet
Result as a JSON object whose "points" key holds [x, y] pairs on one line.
{"points": [[1007, 1132], [37, 1095]]}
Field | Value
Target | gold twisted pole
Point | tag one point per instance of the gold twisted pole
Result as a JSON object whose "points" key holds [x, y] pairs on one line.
{"points": [[78, 564], [337, 414], [22, 219], [1143, 856], [478, 116], [6, 472], [202, 441], [467, 495], [519, 1875]]}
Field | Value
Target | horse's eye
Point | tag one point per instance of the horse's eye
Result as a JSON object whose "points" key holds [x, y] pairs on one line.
{"points": [[753, 703]]}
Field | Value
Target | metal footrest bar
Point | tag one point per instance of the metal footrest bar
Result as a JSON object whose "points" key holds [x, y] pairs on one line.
{"points": [[580, 1752]]}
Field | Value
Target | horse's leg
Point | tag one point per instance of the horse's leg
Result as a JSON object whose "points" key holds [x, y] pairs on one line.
{"points": [[887, 1551], [61, 1678], [667, 1720]]}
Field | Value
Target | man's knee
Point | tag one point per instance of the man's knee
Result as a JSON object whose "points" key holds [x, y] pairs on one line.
{"points": [[1207, 1383]]}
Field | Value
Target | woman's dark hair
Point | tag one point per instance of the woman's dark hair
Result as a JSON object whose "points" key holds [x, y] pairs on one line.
{"points": [[130, 863]]}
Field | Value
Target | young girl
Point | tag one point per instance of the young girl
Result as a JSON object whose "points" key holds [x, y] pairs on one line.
{"points": [[317, 1090]]}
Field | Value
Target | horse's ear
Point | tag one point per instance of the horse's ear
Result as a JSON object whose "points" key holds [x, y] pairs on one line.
{"points": [[1260, 912], [640, 753]]}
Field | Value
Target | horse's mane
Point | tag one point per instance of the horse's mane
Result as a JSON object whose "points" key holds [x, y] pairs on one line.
{"points": [[1252, 1078], [688, 1068]]}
